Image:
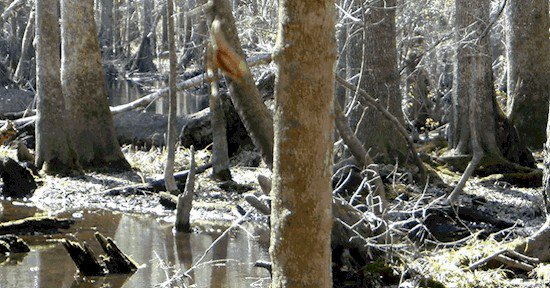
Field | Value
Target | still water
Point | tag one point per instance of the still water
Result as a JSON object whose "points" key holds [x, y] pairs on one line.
{"points": [[152, 244], [122, 91]]}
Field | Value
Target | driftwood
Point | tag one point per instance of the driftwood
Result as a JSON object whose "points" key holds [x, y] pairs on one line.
{"points": [[35, 224], [114, 262]]}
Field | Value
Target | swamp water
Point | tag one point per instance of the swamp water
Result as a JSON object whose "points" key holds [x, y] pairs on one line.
{"points": [[153, 245]]}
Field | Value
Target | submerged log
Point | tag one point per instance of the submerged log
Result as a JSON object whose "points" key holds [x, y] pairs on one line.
{"points": [[35, 224]]}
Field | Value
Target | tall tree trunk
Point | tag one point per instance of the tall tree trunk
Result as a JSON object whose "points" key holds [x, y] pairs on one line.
{"points": [[470, 80], [528, 45], [83, 84], [171, 141], [381, 80], [54, 151], [106, 27], [22, 73], [301, 218]]}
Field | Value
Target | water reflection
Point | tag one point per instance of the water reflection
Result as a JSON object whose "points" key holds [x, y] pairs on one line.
{"points": [[123, 91], [229, 264]]}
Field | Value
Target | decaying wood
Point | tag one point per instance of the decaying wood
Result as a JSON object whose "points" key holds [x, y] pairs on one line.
{"points": [[84, 258], [168, 200], [115, 260], [35, 224], [7, 132], [185, 200], [12, 244]]}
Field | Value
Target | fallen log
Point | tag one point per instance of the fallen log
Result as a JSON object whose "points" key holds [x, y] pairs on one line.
{"points": [[35, 224], [157, 185]]}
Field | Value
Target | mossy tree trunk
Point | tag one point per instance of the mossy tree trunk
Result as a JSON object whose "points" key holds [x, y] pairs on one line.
{"points": [[528, 43], [54, 150], [380, 79], [301, 217], [83, 85]]}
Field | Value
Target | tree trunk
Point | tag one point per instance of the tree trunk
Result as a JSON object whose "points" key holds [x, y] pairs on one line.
{"points": [[243, 91], [54, 151], [83, 85], [301, 218], [528, 43], [171, 145], [380, 79], [473, 78], [106, 27], [22, 73]]}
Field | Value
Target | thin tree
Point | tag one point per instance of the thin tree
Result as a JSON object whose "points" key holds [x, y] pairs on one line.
{"points": [[54, 152], [83, 85], [528, 44], [171, 139], [301, 218], [22, 73]]}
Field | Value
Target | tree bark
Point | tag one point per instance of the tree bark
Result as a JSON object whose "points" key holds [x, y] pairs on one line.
{"points": [[106, 27], [301, 218], [54, 150], [83, 85], [380, 79], [171, 145], [243, 91], [528, 43]]}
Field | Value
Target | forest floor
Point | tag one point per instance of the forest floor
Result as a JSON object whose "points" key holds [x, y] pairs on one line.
{"points": [[216, 208]]}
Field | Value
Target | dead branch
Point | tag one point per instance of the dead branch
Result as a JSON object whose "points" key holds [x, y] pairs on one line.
{"points": [[35, 224]]}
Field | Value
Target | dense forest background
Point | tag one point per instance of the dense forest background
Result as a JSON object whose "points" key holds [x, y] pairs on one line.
{"points": [[387, 131]]}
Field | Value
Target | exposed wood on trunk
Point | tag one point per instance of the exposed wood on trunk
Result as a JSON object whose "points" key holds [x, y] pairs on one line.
{"points": [[115, 260], [243, 91]]}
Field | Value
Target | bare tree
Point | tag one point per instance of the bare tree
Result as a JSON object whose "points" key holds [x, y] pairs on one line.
{"points": [[171, 139], [301, 217]]}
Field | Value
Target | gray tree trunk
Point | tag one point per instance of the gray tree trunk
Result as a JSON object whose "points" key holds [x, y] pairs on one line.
{"points": [[54, 152], [301, 218], [83, 85], [106, 27], [171, 141], [381, 80], [528, 43]]}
